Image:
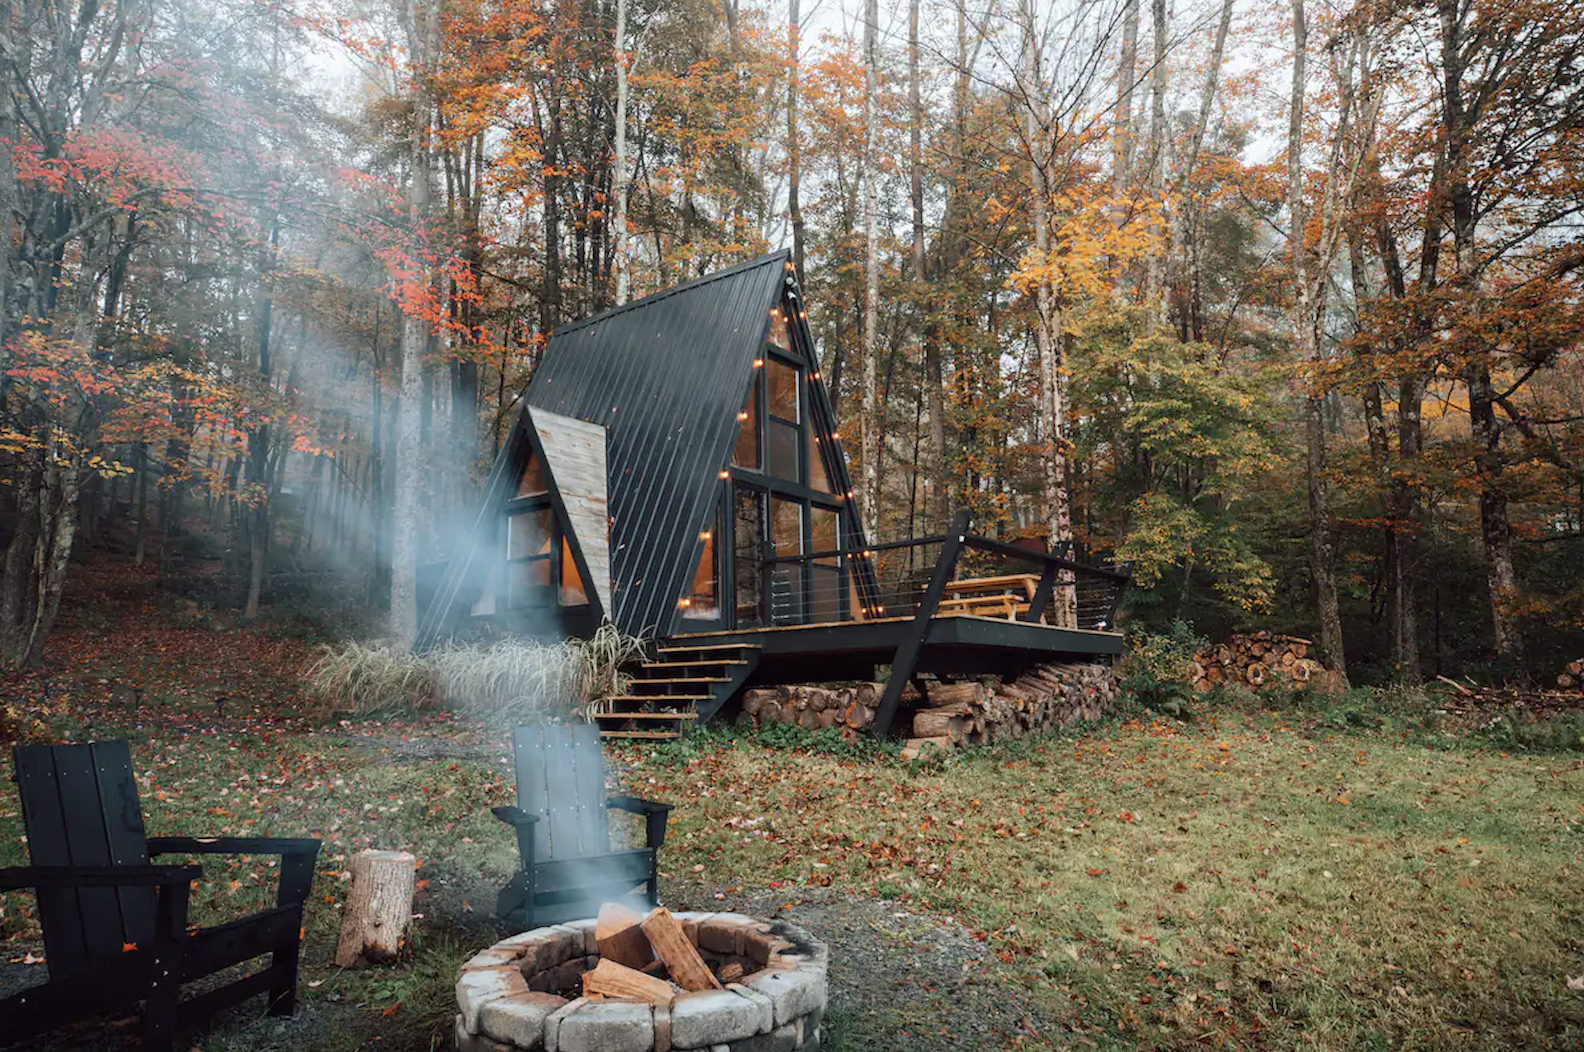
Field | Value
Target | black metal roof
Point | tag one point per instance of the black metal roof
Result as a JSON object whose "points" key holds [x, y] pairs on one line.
{"points": [[666, 375]]}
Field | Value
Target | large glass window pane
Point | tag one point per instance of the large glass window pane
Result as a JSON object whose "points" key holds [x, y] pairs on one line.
{"points": [[818, 479], [823, 524], [748, 529], [746, 452], [784, 451], [786, 583], [786, 526], [824, 593], [529, 533], [783, 380], [573, 593], [528, 582], [702, 602], [534, 481]]}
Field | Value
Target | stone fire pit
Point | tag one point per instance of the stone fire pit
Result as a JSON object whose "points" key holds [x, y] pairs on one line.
{"points": [[525, 993]]}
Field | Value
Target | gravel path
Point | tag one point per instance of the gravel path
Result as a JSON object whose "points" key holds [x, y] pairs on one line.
{"points": [[899, 980]]}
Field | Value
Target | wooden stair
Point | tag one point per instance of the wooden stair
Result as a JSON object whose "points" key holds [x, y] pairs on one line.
{"points": [[676, 690]]}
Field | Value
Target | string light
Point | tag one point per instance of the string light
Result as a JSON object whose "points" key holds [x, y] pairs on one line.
{"points": [[758, 363], [725, 474], [704, 536]]}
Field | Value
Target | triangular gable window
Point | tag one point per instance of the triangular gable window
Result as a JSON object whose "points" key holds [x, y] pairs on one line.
{"points": [[780, 334], [539, 568], [534, 482]]}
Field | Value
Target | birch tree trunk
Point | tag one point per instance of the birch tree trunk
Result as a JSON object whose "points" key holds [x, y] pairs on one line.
{"points": [[1310, 289], [1155, 266], [794, 148], [410, 468], [871, 430], [620, 190], [1048, 336], [933, 380], [1122, 135]]}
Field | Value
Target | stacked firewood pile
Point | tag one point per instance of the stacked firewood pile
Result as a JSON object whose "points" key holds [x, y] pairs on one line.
{"points": [[1046, 696], [1253, 660], [814, 708], [1572, 676], [652, 959]]}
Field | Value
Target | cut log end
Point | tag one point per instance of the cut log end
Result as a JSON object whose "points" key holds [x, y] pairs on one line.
{"points": [[378, 910]]}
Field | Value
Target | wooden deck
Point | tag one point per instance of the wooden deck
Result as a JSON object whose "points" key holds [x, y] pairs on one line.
{"points": [[957, 643]]}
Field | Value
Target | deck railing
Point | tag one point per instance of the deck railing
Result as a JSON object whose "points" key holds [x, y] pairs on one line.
{"points": [[893, 580]]}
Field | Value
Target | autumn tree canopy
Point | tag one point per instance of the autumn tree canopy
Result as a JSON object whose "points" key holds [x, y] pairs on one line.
{"points": [[1279, 305]]}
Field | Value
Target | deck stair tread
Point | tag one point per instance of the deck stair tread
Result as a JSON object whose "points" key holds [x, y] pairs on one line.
{"points": [[679, 679], [650, 698], [694, 649], [646, 715], [668, 694]]}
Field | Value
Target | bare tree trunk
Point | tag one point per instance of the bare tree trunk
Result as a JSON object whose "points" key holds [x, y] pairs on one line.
{"points": [[52, 549], [794, 148], [872, 432], [1155, 266], [410, 466], [1122, 132], [141, 523], [932, 381], [619, 227], [1048, 336], [1495, 528], [1306, 317], [19, 586]]}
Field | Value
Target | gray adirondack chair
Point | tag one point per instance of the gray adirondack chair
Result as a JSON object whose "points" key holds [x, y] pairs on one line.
{"points": [[563, 838]]}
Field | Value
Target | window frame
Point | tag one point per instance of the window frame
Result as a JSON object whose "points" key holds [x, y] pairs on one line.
{"points": [[769, 488]]}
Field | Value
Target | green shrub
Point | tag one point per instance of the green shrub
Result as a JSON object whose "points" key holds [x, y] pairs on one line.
{"points": [[1158, 670]]}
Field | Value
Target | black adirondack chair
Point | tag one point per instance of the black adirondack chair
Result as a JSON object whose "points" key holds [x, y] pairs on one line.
{"points": [[115, 926], [568, 867]]}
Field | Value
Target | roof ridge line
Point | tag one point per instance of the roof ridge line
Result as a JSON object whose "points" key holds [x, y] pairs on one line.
{"points": [[781, 255]]}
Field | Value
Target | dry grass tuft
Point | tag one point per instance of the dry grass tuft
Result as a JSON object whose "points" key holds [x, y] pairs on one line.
{"points": [[506, 680]]}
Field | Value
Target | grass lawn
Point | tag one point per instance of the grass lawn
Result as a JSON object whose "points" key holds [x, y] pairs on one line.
{"points": [[1252, 880]]}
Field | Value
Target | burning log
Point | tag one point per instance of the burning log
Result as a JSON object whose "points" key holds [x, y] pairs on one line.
{"points": [[609, 979], [619, 933], [680, 956]]}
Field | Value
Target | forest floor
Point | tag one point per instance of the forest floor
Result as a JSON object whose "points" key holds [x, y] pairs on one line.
{"points": [[1259, 878]]}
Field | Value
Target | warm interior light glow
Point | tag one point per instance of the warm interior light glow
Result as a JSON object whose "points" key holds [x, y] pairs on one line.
{"points": [[758, 363]]}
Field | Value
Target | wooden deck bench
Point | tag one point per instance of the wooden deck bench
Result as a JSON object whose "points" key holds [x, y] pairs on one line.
{"points": [[1007, 596]]}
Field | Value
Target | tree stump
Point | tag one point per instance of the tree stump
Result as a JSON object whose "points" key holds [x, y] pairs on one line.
{"points": [[378, 910]]}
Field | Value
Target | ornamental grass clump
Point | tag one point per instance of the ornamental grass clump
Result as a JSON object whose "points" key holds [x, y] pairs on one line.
{"points": [[508, 679]]}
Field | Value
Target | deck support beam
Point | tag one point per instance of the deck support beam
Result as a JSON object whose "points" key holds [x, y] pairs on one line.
{"points": [[905, 662]]}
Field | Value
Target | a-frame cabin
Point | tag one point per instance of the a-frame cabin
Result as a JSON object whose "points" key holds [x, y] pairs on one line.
{"points": [[676, 469]]}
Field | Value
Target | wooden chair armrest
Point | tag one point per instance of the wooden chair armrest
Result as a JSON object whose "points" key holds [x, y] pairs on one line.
{"points": [[514, 816], [655, 817], [18, 877], [298, 855], [634, 805], [232, 845]]}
